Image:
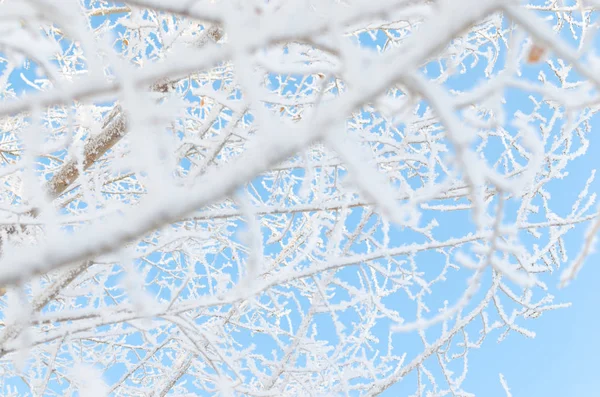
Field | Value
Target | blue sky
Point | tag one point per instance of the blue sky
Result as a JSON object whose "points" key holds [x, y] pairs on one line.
{"points": [[561, 360]]}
